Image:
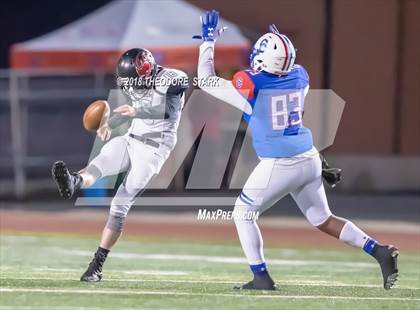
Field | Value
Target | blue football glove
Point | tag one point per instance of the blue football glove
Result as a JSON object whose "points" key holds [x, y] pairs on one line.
{"points": [[208, 26]]}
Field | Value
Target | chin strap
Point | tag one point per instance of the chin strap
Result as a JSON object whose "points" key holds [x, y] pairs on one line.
{"points": [[331, 175]]}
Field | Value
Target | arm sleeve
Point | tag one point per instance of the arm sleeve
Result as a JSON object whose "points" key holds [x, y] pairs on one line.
{"points": [[218, 87], [116, 120], [161, 111], [178, 88]]}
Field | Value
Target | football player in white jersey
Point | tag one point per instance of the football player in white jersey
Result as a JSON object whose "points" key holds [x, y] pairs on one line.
{"points": [[271, 94], [155, 98]]}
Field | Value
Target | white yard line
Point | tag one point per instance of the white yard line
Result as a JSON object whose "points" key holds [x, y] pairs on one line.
{"points": [[43, 269], [131, 272], [174, 293], [62, 308], [322, 283], [157, 273], [71, 308], [225, 259]]}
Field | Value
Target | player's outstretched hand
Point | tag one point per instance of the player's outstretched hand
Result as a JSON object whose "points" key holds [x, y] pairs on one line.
{"points": [[209, 29], [104, 132], [126, 110]]}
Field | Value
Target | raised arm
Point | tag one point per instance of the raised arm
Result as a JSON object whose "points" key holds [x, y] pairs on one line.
{"points": [[218, 87]]}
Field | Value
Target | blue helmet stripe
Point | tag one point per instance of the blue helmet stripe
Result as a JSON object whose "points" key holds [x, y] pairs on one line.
{"points": [[291, 52]]}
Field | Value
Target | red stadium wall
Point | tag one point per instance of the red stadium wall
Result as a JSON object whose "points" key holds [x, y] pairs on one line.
{"points": [[180, 57], [363, 67], [410, 80]]}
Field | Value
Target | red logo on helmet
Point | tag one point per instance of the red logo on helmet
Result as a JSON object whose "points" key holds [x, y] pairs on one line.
{"points": [[143, 64]]}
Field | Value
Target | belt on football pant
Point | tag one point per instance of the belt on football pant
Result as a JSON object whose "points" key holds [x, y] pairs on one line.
{"points": [[145, 140]]}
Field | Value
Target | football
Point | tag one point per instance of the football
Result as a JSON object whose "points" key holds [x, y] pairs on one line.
{"points": [[94, 114]]}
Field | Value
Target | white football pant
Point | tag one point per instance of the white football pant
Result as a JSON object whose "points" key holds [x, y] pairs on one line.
{"points": [[141, 161], [271, 180]]}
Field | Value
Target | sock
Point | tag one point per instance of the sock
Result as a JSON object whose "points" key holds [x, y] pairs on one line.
{"points": [[251, 241], [101, 254], [352, 235], [370, 246], [77, 181], [259, 270], [90, 175]]}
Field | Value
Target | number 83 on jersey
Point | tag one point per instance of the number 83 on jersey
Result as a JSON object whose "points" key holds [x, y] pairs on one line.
{"points": [[287, 112]]}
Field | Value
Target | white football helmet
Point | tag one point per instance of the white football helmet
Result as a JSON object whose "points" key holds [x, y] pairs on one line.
{"points": [[273, 53]]}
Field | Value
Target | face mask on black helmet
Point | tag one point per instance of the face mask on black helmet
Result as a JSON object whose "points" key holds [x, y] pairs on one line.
{"points": [[135, 72]]}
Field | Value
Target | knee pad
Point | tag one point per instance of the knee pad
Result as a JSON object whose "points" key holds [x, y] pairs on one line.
{"points": [[120, 206], [122, 202], [115, 222]]}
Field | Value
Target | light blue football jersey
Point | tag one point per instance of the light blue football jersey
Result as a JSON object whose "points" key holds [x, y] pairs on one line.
{"points": [[277, 110]]}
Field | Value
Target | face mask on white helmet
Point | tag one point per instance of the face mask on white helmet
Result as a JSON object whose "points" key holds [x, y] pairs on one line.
{"points": [[273, 53]]}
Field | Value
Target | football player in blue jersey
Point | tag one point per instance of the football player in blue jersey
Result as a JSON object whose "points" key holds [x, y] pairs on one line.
{"points": [[271, 94]]}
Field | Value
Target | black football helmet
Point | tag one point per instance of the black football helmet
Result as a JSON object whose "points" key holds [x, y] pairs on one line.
{"points": [[136, 69]]}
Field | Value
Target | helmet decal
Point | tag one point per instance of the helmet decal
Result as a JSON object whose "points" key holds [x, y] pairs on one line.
{"points": [[262, 47], [239, 82], [143, 64]]}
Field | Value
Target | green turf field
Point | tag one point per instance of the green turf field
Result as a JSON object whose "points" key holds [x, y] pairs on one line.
{"points": [[39, 272]]}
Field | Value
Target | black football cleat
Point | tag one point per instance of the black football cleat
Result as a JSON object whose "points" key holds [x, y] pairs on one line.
{"points": [[94, 271], [67, 183], [259, 283], [387, 255]]}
